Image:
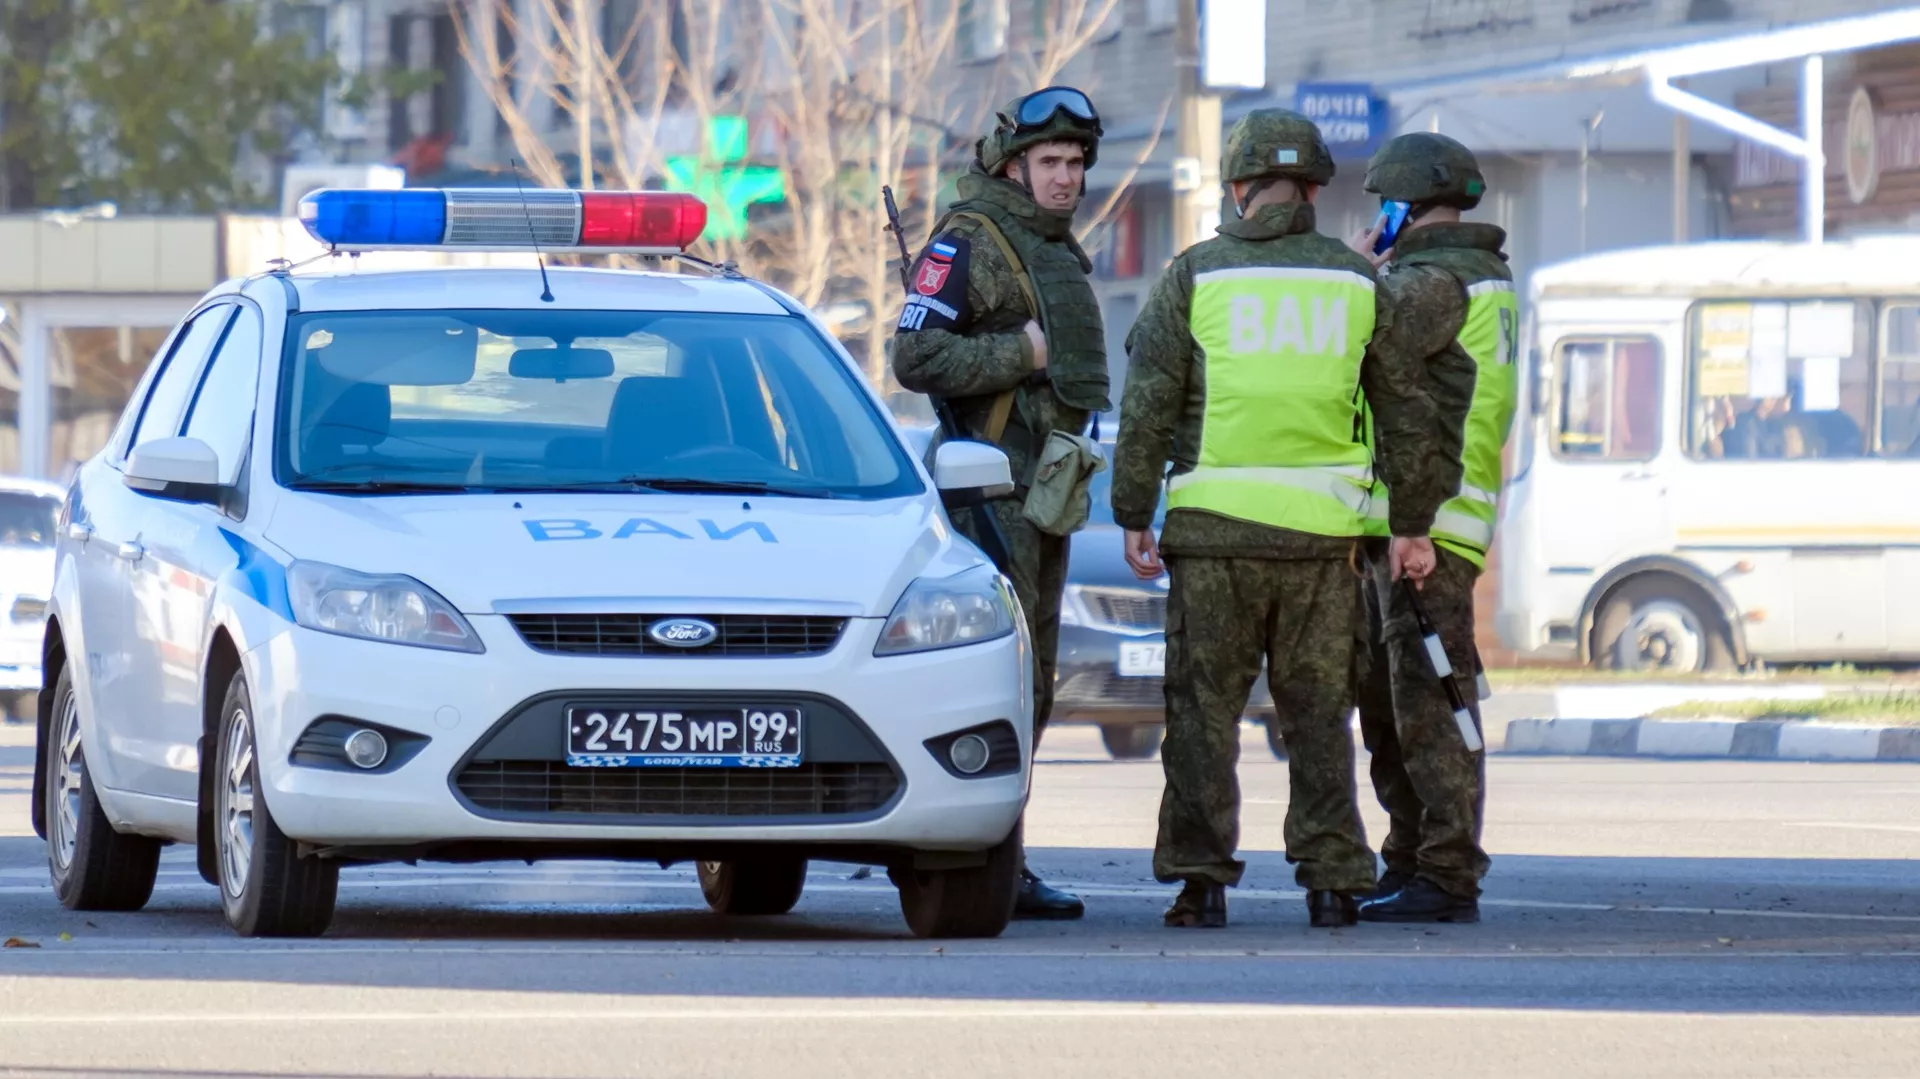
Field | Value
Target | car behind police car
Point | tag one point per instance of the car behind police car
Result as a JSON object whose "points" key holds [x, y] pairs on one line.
{"points": [[461, 565]]}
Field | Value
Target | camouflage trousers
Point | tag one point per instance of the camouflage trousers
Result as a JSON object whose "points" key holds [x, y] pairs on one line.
{"points": [[1039, 574], [1224, 617], [1432, 787]]}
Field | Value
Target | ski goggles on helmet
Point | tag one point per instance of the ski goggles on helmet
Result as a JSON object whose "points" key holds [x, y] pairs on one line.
{"points": [[1038, 109]]}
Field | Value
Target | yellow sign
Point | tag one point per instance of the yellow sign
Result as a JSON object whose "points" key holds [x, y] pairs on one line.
{"points": [[1726, 347]]}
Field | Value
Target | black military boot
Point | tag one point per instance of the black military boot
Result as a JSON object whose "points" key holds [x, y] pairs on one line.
{"points": [[1331, 910], [1202, 905], [1390, 882], [1422, 901], [1040, 900]]}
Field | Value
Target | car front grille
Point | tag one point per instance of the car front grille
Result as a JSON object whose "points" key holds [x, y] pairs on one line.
{"points": [[541, 788], [1125, 608], [626, 635], [1097, 687]]}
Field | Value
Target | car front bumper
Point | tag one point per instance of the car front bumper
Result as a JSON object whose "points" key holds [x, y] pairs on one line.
{"points": [[459, 701]]}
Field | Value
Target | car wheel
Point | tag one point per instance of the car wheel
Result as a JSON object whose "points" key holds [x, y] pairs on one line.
{"points": [[767, 885], [1132, 741], [973, 902], [1274, 741], [93, 866], [1649, 625], [266, 887]]}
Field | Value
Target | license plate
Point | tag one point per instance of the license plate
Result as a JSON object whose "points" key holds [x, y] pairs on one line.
{"points": [[683, 738], [1143, 660]]}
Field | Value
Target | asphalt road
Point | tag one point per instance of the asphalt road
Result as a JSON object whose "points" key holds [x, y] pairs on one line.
{"points": [[1644, 918]]}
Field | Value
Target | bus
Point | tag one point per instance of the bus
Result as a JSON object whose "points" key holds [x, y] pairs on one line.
{"points": [[1715, 462]]}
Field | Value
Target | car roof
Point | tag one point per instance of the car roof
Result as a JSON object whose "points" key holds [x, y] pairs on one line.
{"points": [[29, 485], [501, 288]]}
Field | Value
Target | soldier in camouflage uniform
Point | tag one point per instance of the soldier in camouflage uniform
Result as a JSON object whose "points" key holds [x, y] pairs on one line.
{"points": [[970, 333], [1244, 371], [1454, 301]]}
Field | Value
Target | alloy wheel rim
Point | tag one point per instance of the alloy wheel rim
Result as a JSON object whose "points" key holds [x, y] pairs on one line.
{"points": [[70, 776], [237, 804]]}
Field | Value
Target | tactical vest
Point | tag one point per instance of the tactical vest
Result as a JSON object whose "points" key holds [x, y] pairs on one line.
{"points": [[1282, 348], [1490, 336], [1069, 312]]}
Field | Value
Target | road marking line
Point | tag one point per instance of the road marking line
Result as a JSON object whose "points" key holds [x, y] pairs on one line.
{"points": [[1910, 828]]}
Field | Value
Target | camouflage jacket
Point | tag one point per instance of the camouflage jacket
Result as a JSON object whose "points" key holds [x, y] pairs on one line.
{"points": [[1165, 398], [962, 335], [1430, 307]]}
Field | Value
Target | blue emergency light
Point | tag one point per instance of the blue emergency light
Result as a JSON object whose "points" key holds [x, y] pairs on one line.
{"points": [[498, 219]]}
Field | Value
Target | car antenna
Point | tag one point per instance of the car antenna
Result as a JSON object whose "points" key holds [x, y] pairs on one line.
{"points": [[546, 288]]}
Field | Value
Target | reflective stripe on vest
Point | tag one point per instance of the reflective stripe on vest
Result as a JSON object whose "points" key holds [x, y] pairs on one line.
{"points": [[1491, 335], [1282, 348]]}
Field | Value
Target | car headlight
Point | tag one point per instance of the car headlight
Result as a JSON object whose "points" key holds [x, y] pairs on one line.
{"points": [[376, 607], [946, 612]]}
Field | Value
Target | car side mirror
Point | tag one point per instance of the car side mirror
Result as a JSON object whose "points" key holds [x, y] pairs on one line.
{"points": [[186, 469], [968, 473]]}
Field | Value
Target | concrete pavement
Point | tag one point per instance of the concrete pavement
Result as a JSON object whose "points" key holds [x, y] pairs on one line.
{"points": [[1644, 918]]}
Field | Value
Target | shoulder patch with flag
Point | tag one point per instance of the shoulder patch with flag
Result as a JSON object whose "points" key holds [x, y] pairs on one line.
{"points": [[938, 298]]}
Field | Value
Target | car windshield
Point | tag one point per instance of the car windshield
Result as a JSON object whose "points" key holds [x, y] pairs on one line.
{"points": [[383, 401], [27, 520]]}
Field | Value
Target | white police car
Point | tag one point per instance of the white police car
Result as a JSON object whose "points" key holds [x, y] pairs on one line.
{"points": [[463, 564]]}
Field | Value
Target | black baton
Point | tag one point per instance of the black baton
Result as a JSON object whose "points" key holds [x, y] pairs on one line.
{"points": [[1442, 669]]}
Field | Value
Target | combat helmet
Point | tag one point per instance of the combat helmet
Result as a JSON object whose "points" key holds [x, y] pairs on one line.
{"points": [[1276, 144], [1425, 167], [1055, 114]]}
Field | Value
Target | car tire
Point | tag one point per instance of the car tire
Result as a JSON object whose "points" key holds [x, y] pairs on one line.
{"points": [[1132, 741], [976, 901], [1275, 742], [1660, 625], [266, 887], [764, 885], [93, 866]]}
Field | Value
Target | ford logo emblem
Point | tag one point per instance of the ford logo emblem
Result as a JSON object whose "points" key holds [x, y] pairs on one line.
{"points": [[683, 632]]}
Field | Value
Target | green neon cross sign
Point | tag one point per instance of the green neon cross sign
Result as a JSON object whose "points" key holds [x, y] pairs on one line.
{"points": [[718, 178]]}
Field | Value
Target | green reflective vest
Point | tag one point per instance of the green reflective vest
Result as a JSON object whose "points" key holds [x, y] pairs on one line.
{"points": [[1281, 348], [1490, 335]]}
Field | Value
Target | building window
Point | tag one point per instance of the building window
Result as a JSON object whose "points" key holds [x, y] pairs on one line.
{"points": [[983, 29], [1609, 399], [94, 370], [1779, 380]]}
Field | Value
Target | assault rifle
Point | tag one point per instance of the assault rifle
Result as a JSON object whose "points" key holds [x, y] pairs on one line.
{"points": [[992, 539]]}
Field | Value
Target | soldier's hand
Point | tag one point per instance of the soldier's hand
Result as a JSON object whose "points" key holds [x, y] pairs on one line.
{"points": [[1363, 241], [1411, 557], [1039, 339], [1143, 555]]}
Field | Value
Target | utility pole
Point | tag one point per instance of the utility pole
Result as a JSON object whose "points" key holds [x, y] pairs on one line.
{"points": [[1196, 181], [583, 88]]}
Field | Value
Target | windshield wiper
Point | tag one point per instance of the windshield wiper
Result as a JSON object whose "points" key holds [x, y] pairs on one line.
{"points": [[696, 485], [381, 486]]}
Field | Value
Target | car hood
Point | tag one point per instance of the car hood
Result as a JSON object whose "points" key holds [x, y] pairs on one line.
{"points": [[26, 571], [496, 553], [1099, 558]]}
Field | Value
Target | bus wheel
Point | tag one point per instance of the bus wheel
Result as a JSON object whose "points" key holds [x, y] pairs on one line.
{"points": [[1661, 626]]}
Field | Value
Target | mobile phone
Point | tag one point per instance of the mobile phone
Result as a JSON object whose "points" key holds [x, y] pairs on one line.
{"points": [[1392, 216]]}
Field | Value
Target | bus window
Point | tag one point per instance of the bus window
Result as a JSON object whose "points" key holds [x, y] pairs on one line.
{"points": [[1609, 398], [1900, 381], [1779, 380]]}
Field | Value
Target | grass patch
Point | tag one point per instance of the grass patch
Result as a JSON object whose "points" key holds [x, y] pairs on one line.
{"points": [[1892, 708]]}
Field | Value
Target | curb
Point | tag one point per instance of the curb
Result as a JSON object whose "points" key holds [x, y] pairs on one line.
{"points": [[1752, 739]]}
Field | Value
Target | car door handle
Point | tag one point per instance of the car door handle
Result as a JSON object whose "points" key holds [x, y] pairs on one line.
{"points": [[132, 551], [79, 531]]}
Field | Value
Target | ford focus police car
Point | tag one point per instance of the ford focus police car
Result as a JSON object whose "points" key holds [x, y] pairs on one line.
{"points": [[477, 563]]}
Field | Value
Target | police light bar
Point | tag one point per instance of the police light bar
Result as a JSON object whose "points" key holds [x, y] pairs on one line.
{"points": [[500, 219]]}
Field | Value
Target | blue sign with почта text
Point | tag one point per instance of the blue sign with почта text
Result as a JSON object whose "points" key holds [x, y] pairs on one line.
{"points": [[1351, 117]]}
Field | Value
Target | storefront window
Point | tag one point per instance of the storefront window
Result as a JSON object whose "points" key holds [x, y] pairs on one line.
{"points": [[9, 391], [94, 370]]}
